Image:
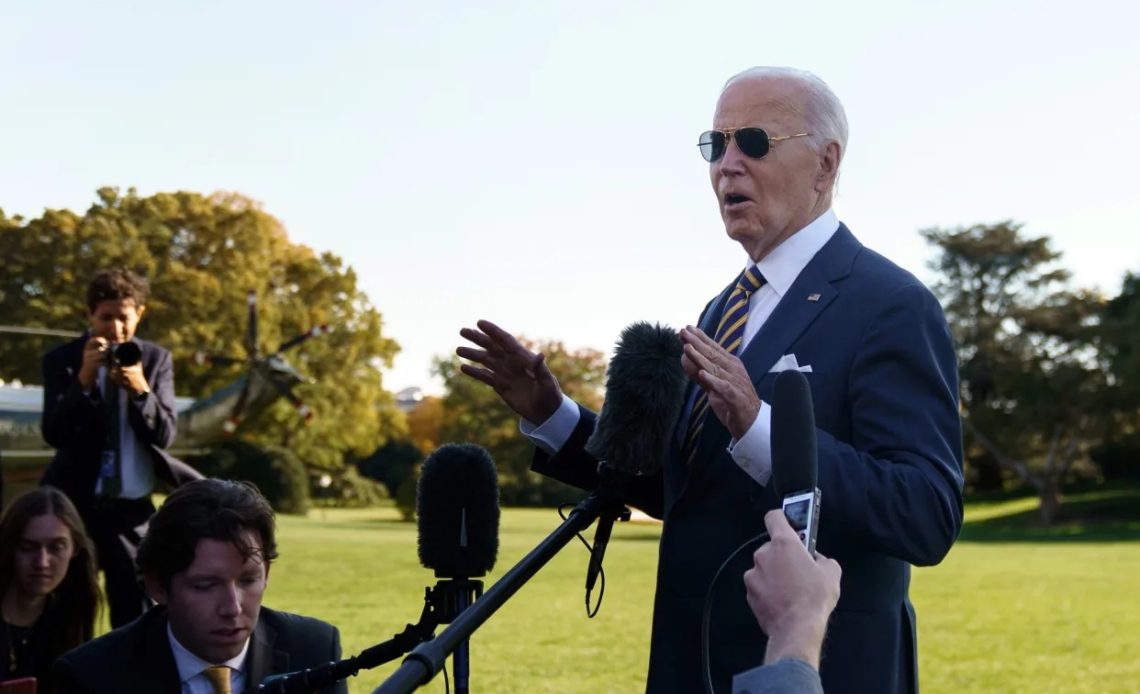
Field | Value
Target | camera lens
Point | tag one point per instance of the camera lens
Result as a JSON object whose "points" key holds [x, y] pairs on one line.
{"points": [[126, 354]]}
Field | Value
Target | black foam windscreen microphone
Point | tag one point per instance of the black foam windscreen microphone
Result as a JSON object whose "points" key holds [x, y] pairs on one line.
{"points": [[457, 511], [645, 390], [795, 461]]}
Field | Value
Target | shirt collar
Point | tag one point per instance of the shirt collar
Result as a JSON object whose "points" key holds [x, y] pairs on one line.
{"points": [[785, 262], [190, 665]]}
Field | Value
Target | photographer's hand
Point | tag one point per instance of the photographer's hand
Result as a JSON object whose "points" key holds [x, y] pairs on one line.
{"points": [[94, 356], [131, 378]]}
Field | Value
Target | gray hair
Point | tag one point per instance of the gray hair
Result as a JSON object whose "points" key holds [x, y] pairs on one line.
{"points": [[825, 117]]}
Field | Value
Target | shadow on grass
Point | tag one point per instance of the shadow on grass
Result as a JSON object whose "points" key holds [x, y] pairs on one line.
{"points": [[1104, 516]]}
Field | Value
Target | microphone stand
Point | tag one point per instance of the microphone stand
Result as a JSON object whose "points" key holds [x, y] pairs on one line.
{"points": [[442, 604], [611, 494], [428, 658]]}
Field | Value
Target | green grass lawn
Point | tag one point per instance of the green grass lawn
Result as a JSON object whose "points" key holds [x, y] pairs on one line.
{"points": [[1013, 608]]}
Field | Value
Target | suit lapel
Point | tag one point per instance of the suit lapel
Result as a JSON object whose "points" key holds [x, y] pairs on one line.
{"points": [[264, 660], [802, 304], [154, 669]]}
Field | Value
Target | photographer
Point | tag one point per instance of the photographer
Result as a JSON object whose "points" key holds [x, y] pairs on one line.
{"points": [[109, 413]]}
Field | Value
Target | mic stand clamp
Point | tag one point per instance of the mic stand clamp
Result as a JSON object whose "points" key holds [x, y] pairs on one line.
{"points": [[449, 599], [611, 493], [442, 604], [427, 659]]}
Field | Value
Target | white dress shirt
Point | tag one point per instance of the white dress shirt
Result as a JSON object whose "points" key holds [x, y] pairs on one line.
{"points": [[780, 268], [190, 668]]}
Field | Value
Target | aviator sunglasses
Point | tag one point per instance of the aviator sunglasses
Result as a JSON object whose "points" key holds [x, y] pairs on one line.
{"points": [[753, 142]]}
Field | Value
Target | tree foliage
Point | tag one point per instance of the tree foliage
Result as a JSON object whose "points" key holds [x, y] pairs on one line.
{"points": [[1119, 456], [425, 423], [1030, 377], [202, 253], [1120, 345], [473, 413]]}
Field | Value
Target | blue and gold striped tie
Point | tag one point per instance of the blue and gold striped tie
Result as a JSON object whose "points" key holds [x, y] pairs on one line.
{"points": [[729, 335]]}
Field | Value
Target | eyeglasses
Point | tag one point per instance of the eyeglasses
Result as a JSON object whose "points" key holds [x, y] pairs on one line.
{"points": [[753, 142]]}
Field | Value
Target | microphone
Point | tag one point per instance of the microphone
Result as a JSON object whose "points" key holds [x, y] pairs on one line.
{"points": [[795, 460], [457, 511], [645, 390], [457, 515]]}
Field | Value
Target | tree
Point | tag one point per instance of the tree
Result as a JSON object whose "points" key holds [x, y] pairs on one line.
{"points": [[391, 464], [1120, 343], [473, 413], [1031, 385], [425, 422], [202, 254], [1119, 457]]}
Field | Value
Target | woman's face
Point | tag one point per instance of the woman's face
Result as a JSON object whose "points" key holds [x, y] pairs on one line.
{"points": [[42, 555]]}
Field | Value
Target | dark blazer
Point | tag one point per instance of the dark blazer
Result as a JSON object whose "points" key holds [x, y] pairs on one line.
{"points": [[74, 423], [884, 383], [137, 657]]}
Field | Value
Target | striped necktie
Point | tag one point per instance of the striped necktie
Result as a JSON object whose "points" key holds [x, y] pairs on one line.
{"points": [[729, 335], [219, 678]]}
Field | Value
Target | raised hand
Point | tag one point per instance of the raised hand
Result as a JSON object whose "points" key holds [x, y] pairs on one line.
{"points": [[518, 375], [732, 397]]}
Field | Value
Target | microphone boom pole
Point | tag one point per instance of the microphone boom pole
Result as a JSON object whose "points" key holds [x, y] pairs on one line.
{"points": [[427, 659]]}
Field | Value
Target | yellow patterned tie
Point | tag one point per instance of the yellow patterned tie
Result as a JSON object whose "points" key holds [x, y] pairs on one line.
{"points": [[729, 335], [219, 678]]}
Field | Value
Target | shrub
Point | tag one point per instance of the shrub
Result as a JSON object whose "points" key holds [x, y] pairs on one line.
{"points": [[277, 472], [346, 488]]}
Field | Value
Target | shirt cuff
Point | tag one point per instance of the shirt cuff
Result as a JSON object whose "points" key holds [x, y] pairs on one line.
{"points": [[753, 452], [553, 434]]}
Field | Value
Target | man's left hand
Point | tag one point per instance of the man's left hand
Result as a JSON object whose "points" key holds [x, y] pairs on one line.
{"points": [[723, 377], [130, 378]]}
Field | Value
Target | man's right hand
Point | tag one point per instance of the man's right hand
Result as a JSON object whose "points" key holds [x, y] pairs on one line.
{"points": [[518, 375], [791, 593], [94, 356]]}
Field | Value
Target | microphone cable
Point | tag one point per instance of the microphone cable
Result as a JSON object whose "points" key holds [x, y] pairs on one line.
{"points": [[601, 570], [706, 618]]}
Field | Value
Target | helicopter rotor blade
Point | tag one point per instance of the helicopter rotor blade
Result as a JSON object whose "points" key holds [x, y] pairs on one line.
{"points": [[251, 328], [312, 332], [287, 393], [46, 332], [205, 358]]}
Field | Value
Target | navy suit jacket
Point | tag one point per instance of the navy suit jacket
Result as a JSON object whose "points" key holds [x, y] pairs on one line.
{"points": [[74, 423], [137, 657], [884, 384]]}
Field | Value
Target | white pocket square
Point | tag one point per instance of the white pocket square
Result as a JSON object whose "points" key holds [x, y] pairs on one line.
{"points": [[788, 363]]}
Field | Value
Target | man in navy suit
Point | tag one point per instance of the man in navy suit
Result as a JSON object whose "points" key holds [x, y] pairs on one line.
{"points": [[877, 352], [109, 414]]}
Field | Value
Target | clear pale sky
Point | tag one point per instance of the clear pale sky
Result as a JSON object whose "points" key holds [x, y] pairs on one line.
{"points": [[535, 162]]}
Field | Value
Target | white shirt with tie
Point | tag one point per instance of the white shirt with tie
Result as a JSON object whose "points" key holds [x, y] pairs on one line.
{"points": [[137, 467], [190, 668]]}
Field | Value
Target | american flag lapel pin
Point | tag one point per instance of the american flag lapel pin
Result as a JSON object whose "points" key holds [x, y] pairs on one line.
{"points": [[813, 297]]}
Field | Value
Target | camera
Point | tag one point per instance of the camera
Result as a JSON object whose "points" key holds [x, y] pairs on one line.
{"points": [[124, 354]]}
